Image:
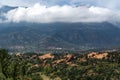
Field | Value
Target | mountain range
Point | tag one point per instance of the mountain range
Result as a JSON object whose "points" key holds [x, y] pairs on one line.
{"points": [[59, 35], [36, 36]]}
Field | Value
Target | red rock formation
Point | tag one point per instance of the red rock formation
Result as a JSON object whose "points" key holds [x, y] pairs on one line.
{"points": [[69, 57], [45, 56]]}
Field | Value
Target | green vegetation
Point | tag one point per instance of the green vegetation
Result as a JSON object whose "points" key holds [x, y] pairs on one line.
{"points": [[60, 67], [23, 37]]}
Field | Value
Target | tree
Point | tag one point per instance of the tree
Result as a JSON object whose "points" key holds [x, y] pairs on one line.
{"points": [[4, 62]]}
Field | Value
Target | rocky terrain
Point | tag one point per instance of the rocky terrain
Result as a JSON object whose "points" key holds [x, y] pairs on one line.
{"points": [[68, 66]]}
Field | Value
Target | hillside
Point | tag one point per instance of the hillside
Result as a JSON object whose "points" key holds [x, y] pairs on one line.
{"points": [[59, 35], [50, 66]]}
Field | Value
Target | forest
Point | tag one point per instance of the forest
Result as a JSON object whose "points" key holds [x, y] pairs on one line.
{"points": [[67, 66]]}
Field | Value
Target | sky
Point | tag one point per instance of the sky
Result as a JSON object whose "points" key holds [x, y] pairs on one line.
{"points": [[113, 4], [45, 11]]}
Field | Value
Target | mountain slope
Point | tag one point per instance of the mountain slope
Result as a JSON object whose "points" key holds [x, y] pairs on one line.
{"points": [[64, 35], [4, 9]]}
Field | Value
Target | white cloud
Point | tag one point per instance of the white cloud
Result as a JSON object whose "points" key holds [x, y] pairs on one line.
{"points": [[43, 14], [0, 5]]}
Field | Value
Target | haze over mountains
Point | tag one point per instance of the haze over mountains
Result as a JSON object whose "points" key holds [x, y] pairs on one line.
{"points": [[22, 35], [39, 13], [59, 35]]}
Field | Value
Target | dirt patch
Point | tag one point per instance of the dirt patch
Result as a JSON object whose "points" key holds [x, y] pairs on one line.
{"points": [[45, 56], [97, 55]]}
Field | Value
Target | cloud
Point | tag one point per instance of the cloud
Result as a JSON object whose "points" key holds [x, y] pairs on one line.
{"points": [[112, 4], [66, 13], [0, 5]]}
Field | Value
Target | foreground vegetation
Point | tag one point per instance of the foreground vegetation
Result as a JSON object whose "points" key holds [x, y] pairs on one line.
{"points": [[33, 66]]}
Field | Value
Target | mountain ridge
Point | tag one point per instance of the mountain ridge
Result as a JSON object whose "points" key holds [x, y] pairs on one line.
{"points": [[59, 35]]}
